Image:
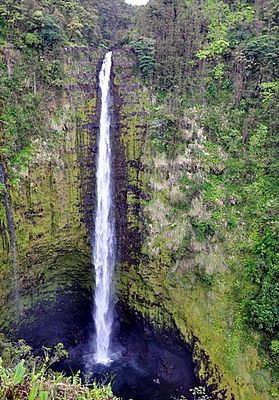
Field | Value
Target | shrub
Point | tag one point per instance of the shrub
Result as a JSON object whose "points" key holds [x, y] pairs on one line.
{"points": [[145, 51], [51, 32]]}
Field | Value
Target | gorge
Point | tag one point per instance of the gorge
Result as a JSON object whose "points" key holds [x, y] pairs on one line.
{"points": [[142, 364], [159, 167]]}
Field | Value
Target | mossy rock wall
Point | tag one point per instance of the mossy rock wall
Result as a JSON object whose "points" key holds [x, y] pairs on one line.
{"points": [[173, 267], [52, 208], [181, 270]]}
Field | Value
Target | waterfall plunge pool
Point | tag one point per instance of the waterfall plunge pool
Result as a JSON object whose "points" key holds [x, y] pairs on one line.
{"points": [[151, 364]]}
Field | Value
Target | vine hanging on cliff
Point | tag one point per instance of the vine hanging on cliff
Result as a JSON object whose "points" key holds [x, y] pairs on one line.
{"points": [[145, 51]]}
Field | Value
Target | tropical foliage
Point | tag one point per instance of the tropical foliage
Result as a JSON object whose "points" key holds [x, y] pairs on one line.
{"points": [[24, 376]]}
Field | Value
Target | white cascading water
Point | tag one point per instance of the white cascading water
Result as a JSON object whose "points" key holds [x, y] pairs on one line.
{"points": [[103, 254]]}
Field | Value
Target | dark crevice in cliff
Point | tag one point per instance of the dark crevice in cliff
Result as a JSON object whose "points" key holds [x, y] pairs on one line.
{"points": [[88, 161], [119, 176], [11, 231], [129, 234], [128, 238]]}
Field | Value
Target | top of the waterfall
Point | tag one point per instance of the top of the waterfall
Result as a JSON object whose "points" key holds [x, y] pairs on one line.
{"points": [[137, 2], [106, 67]]}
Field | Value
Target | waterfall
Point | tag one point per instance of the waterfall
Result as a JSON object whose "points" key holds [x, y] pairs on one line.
{"points": [[103, 246]]}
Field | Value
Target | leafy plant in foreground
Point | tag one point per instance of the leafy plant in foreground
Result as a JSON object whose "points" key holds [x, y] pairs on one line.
{"points": [[24, 376]]}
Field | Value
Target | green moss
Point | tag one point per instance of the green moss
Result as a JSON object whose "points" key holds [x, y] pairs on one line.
{"points": [[189, 279], [53, 249]]}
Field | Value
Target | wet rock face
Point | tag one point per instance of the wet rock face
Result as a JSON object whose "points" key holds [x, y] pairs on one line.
{"points": [[56, 305], [53, 208], [127, 136], [54, 216], [63, 321]]}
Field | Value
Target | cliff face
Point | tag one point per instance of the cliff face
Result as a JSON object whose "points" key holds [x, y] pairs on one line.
{"points": [[193, 176], [158, 213], [186, 272], [209, 250], [52, 207], [171, 270], [52, 203]]}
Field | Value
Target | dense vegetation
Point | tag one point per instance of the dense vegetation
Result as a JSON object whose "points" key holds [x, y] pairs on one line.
{"points": [[34, 39], [24, 376], [218, 60]]}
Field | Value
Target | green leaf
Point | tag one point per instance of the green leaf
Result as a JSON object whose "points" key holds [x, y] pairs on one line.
{"points": [[43, 396], [33, 392], [19, 373]]}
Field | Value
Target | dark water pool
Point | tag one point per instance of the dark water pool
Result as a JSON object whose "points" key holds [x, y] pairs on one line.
{"points": [[151, 365]]}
